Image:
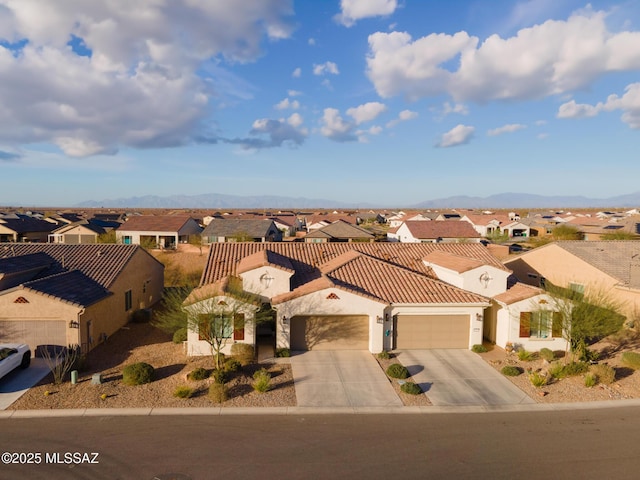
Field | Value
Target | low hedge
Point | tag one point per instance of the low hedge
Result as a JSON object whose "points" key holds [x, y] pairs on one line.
{"points": [[411, 388], [137, 374], [396, 370]]}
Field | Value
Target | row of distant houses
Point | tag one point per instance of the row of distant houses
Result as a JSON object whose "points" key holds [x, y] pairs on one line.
{"points": [[336, 295]]}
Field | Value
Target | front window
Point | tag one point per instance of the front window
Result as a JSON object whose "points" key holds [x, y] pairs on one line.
{"points": [[128, 303], [541, 324], [214, 326]]}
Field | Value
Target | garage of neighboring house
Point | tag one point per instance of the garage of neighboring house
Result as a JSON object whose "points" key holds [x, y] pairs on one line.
{"points": [[35, 332], [431, 331], [329, 332]]}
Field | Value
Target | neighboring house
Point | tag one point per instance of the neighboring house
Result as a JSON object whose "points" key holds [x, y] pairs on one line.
{"points": [[235, 230], [436, 232], [525, 317], [339, 231], [610, 266], [158, 231], [288, 224], [315, 222], [73, 294], [487, 225], [370, 296], [23, 228], [83, 232]]}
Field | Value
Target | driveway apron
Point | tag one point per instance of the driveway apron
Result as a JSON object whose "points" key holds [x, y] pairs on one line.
{"points": [[341, 378], [14, 385], [452, 377]]}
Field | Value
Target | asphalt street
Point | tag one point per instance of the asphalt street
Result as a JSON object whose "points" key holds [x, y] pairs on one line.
{"points": [[586, 444]]}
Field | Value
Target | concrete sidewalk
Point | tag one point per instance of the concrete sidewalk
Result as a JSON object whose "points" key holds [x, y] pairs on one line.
{"points": [[341, 378]]}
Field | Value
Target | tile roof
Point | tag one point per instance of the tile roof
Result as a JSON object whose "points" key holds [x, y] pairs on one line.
{"points": [[233, 226], [263, 258], [33, 261], [441, 229], [26, 224], [72, 287], [517, 293], [341, 230], [457, 263], [387, 272], [100, 262], [154, 223], [611, 257]]}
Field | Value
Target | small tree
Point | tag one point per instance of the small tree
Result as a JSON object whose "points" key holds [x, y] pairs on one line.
{"points": [[171, 317], [566, 232], [107, 237], [60, 360], [218, 314], [196, 241], [587, 317]]}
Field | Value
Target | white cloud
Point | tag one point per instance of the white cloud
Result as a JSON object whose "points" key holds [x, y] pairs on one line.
{"points": [[354, 10], [279, 132], [137, 54], [296, 73], [510, 128], [366, 112], [552, 58], [403, 116], [458, 108], [375, 130], [295, 120], [294, 93], [311, 41], [324, 68], [286, 104], [629, 103], [458, 135], [336, 128]]}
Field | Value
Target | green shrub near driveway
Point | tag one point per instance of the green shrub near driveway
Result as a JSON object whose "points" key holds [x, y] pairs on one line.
{"points": [[478, 348], [525, 356], [137, 374], [262, 381], [218, 392], [219, 376], [384, 355], [511, 371], [183, 392], [180, 335], [590, 379], [604, 373], [411, 388], [547, 354], [537, 379], [396, 370], [283, 352], [199, 374], [631, 360]]}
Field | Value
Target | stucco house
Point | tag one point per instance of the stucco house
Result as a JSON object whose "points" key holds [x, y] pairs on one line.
{"points": [[234, 230], [370, 296], [487, 225], [82, 232], [435, 232], [159, 231], [55, 294], [609, 266], [339, 231], [24, 228]]}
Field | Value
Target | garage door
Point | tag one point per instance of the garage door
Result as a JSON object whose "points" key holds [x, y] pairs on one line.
{"points": [[339, 332], [34, 332], [432, 331]]}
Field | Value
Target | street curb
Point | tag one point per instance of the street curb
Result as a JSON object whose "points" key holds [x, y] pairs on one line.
{"points": [[291, 411]]}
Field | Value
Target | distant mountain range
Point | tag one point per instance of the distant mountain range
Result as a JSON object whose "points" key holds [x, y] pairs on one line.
{"points": [[502, 200]]}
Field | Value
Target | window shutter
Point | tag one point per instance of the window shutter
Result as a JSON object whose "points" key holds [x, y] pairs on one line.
{"points": [[556, 329], [525, 324], [238, 326]]}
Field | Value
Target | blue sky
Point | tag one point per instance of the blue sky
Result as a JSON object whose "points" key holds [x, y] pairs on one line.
{"points": [[361, 101]]}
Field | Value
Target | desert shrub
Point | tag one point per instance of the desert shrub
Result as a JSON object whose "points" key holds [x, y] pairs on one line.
{"points": [[590, 379], [411, 388], [218, 392], [244, 352], [511, 370], [556, 370], [537, 379], [283, 352], [604, 373], [137, 374], [525, 356], [232, 365], [631, 360], [183, 391], [575, 368], [384, 355], [199, 374], [547, 354], [478, 348], [396, 370], [261, 381], [180, 335], [219, 376]]}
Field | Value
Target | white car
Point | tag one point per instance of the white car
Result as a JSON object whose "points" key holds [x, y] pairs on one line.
{"points": [[12, 356]]}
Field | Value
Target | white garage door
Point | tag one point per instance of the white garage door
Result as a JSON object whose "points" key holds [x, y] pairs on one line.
{"points": [[338, 332], [432, 331]]}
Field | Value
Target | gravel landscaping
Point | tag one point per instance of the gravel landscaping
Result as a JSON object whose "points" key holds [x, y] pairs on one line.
{"points": [[144, 343]]}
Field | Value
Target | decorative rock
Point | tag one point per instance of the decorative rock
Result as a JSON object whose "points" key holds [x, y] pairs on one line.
{"points": [[96, 379]]}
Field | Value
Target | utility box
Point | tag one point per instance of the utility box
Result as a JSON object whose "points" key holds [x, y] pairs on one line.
{"points": [[96, 379]]}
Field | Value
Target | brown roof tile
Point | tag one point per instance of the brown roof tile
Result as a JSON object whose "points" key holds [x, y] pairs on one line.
{"points": [[154, 223], [457, 263], [443, 229], [517, 293]]}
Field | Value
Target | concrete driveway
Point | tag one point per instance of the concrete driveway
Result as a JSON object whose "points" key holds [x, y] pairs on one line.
{"points": [[14, 385], [460, 377], [341, 378]]}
